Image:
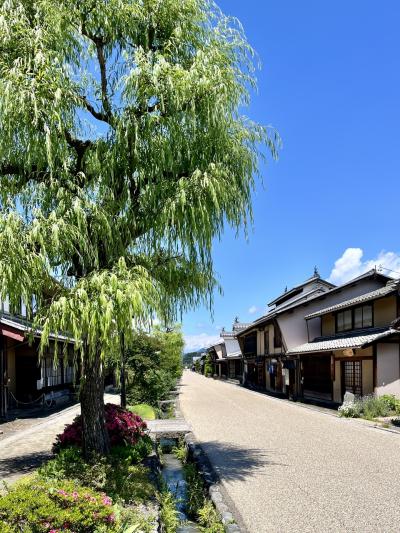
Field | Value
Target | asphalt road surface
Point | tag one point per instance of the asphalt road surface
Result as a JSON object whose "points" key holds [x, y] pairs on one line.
{"points": [[289, 468]]}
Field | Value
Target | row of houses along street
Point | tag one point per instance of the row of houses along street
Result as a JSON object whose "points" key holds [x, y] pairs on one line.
{"points": [[318, 341]]}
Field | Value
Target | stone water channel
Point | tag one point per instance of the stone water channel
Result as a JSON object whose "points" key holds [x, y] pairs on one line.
{"points": [[174, 477], [167, 433]]}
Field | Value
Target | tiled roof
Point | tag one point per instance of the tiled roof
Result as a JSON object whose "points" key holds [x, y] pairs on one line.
{"points": [[286, 294], [360, 340], [390, 287], [26, 326]]}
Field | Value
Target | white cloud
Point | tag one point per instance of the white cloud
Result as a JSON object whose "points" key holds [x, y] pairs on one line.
{"points": [[253, 309], [351, 264], [202, 340]]}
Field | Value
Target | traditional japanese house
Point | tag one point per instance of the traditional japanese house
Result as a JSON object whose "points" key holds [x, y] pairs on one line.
{"points": [[227, 356], [27, 379], [353, 346], [264, 345]]}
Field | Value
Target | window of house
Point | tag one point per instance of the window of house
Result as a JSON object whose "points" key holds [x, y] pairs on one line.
{"points": [[363, 316], [266, 341], [344, 320], [53, 375], [359, 317], [250, 344], [277, 337]]}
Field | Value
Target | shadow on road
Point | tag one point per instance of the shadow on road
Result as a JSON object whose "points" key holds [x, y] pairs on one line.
{"points": [[22, 464], [232, 462]]}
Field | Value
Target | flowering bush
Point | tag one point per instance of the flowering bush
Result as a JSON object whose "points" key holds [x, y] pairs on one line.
{"points": [[350, 410], [123, 427], [370, 407], [44, 507]]}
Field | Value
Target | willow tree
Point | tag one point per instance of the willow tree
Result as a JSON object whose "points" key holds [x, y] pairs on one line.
{"points": [[123, 153]]}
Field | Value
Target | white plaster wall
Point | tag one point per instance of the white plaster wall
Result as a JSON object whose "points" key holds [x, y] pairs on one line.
{"points": [[367, 376], [292, 323], [387, 369]]}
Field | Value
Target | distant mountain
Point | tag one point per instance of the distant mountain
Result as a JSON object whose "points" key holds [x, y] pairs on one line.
{"points": [[187, 358]]}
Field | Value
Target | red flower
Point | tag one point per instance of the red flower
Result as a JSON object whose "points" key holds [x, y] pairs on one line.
{"points": [[123, 427]]}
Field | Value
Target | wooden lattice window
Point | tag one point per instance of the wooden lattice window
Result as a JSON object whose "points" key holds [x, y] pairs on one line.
{"points": [[353, 377]]}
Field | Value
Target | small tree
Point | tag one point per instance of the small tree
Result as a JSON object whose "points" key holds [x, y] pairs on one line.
{"points": [[123, 153], [153, 364]]}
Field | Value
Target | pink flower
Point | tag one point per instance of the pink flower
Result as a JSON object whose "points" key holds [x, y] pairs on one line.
{"points": [[107, 500]]}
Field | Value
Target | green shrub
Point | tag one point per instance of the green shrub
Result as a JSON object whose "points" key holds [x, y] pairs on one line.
{"points": [[144, 410], [169, 515], [209, 519], [36, 506], [374, 407], [350, 409], [370, 407], [392, 402], [208, 367], [114, 475], [133, 454], [180, 451], [195, 491]]}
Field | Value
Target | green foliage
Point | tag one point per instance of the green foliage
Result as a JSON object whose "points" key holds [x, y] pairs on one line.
{"points": [[144, 410], [187, 359], [168, 512], [117, 475], [209, 519], [197, 366], [122, 156], [180, 451], [208, 366], [153, 364], [350, 409], [135, 453], [198, 507], [36, 506], [373, 407], [370, 407], [392, 402], [124, 153], [195, 491]]}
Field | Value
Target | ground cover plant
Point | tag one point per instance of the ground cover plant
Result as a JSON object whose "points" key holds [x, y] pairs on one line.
{"points": [[120, 474], [39, 506], [371, 407]]}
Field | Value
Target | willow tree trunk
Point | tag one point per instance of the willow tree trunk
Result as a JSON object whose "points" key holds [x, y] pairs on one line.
{"points": [[95, 436], [122, 373]]}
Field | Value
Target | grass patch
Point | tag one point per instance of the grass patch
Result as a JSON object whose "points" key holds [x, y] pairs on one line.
{"points": [[144, 410]]}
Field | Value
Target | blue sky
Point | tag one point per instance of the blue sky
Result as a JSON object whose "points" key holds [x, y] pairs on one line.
{"points": [[330, 84]]}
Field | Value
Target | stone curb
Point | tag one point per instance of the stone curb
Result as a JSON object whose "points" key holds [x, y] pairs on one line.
{"points": [[212, 482]]}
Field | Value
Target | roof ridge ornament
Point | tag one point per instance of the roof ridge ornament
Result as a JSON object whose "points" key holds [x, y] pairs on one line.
{"points": [[316, 272]]}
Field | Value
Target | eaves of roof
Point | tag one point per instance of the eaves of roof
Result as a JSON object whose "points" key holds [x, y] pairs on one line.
{"points": [[390, 288], [26, 327], [356, 340]]}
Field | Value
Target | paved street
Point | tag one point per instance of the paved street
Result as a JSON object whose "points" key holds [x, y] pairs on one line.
{"points": [[288, 468], [25, 449]]}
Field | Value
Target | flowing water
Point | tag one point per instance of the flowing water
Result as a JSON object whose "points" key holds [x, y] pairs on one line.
{"points": [[174, 477]]}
